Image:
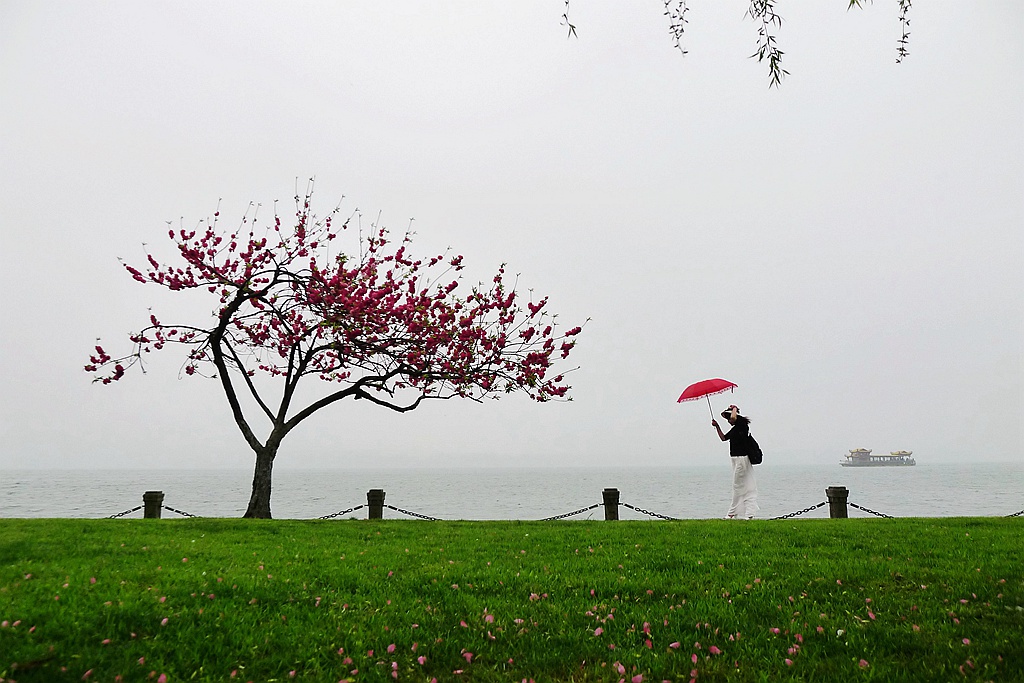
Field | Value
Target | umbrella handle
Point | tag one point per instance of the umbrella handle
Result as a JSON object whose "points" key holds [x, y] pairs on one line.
{"points": [[709, 407]]}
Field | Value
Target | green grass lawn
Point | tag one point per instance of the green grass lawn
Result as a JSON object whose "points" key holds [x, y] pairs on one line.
{"points": [[248, 600]]}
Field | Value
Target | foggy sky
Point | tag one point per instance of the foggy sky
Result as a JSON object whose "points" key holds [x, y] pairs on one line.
{"points": [[846, 248]]}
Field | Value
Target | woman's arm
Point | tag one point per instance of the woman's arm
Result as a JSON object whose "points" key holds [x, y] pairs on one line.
{"points": [[723, 437]]}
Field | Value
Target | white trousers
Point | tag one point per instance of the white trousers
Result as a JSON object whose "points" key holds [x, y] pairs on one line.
{"points": [[744, 489]]}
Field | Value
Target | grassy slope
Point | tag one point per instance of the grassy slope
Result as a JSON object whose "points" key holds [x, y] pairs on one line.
{"points": [[523, 599]]}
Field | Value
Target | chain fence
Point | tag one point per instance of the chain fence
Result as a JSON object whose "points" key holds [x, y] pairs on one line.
{"points": [[180, 512], [342, 512], [877, 514], [799, 512], [648, 512], [548, 519], [126, 512], [570, 514], [412, 514]]}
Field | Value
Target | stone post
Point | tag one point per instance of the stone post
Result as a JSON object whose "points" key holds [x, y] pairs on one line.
{"points": [[611, 504], [375, 503], [152, 500], [837, 496]]}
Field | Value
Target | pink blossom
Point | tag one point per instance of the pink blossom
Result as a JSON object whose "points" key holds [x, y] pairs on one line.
{"points": [[598, 631], [468, 656], [863, 664], [789, 662], [421, 660], [391, 648], [637, 679], [714, 650], [675, 645]]}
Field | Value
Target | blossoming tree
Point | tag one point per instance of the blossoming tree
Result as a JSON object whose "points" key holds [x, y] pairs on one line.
{"points": [[375, 324]]}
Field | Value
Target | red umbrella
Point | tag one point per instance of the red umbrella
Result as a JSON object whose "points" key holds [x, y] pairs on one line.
{"points": [[705, 389]]}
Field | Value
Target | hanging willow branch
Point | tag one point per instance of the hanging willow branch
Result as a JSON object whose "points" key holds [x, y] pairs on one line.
{"points": [[762, 11]]}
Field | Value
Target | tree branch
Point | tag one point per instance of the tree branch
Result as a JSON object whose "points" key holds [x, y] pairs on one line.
{"points": [[216, 338], [248, 381]]}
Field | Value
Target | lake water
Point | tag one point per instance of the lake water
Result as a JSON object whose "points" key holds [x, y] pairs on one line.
{"points": [[986, 489]]}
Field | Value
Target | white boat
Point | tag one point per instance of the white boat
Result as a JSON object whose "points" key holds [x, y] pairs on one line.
{"points": [[861, 457]]}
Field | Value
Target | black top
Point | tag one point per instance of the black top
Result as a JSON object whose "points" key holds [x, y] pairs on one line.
{"points": [[737, 437]]}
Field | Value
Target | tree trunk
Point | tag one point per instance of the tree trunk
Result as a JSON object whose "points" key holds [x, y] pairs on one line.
{"points": [[259, 502]]}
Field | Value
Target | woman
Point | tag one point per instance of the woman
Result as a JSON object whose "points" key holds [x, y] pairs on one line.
{"points": [[744, 488]]}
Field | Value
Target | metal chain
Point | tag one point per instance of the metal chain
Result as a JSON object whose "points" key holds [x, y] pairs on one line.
{"points": [[570, 514], [879, 514], [126, 512], [1016, 514], [343, 512], [648, 512], [183, 514], [412, 514], [800, 512]]}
